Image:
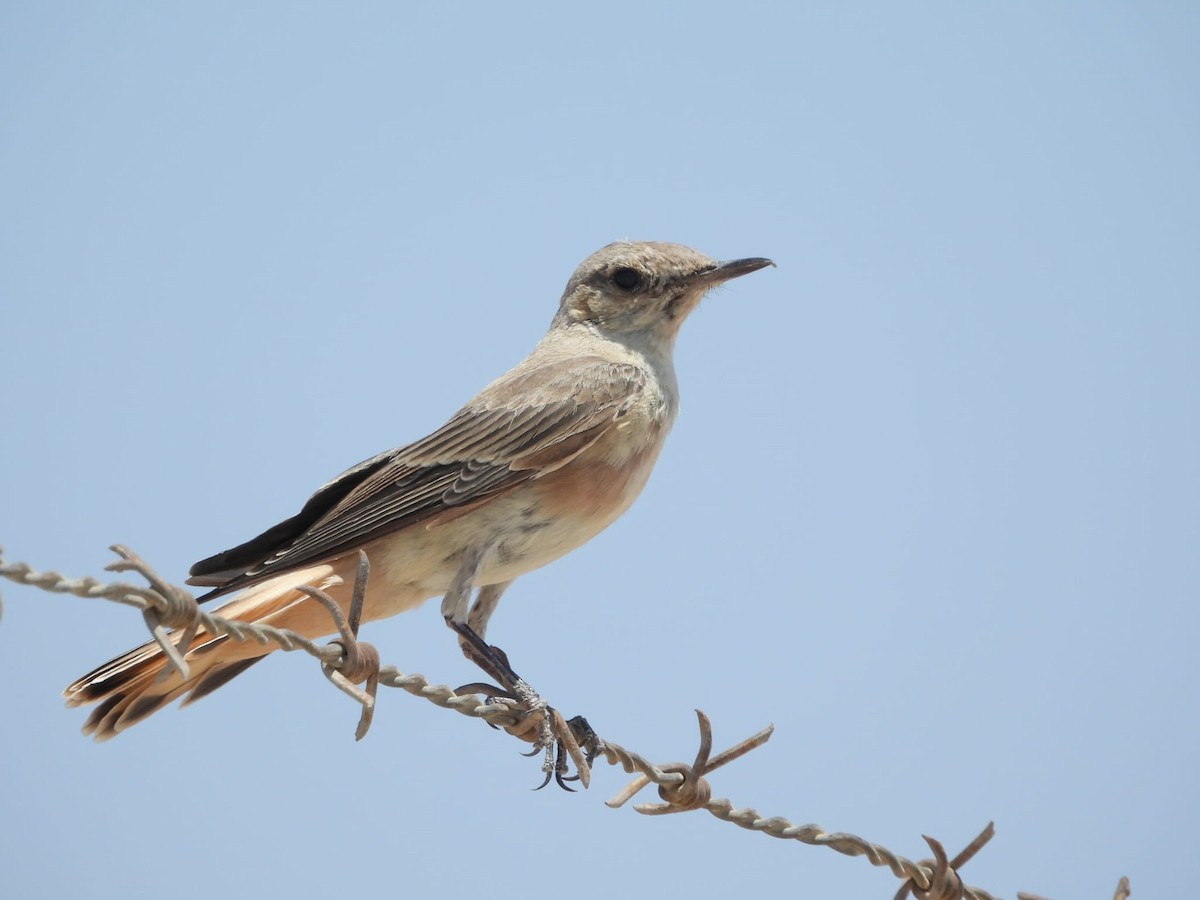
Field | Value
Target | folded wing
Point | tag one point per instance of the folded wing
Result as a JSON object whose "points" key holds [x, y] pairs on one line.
{"points": [[519, 428]]}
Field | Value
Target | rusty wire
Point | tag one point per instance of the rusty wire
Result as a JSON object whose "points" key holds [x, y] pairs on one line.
{"points": [[348, 662], [160, 609]]}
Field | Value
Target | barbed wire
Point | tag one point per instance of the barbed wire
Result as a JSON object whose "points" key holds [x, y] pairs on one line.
{"points": [[349, 662]]}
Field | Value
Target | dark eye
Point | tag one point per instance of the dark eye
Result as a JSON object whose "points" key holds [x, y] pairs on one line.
{"points": [[627, 279]]}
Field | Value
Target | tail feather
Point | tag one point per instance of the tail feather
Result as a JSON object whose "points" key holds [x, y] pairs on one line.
{"points": [[217, 676], [142, 688], [136, 706], [111, 676], [138, 683], [110, 717]]}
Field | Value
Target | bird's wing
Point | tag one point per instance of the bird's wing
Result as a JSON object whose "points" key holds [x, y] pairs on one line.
{"points": [[523, 425]]}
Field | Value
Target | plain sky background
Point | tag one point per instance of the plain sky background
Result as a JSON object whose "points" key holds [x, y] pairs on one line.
{"points": [[932, 505]]}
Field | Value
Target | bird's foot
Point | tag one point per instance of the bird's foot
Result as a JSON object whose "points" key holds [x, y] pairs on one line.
{"points": [[561, 742]]}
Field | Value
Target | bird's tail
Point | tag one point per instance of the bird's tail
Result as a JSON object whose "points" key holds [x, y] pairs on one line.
{"points": [[137, 684]]}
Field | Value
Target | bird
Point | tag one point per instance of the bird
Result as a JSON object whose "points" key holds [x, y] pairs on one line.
{"points": [[541, 460]]}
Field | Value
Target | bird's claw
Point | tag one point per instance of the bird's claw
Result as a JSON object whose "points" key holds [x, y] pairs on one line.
{"points": [[559, 769], [561, 741]]}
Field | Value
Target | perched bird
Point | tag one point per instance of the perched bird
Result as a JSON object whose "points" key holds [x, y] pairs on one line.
{"points": [[541, 460]]}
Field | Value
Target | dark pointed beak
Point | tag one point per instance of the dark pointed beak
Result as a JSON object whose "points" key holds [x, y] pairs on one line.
{"points": [[735, 268]]}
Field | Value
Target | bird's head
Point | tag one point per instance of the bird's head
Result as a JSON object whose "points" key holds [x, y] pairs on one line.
{"points": [[645, 287]]}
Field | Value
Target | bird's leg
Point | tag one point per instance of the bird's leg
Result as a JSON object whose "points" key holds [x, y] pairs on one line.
{"points": [[485, 604], [470, 622], [456, 603], [486, 601], [554, 736], [492, 660]]}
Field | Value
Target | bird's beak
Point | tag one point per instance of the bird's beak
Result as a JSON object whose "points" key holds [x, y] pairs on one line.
{"points": [[735, 268]]}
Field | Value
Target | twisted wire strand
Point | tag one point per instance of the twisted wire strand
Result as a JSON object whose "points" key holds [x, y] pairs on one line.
{"points": [[616, 755], [934, 879], [148, 599], [844, 843], [681, 787], [331, 654]]}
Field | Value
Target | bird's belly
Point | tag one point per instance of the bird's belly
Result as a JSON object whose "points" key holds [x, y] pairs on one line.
{"points": [[525, 528]]}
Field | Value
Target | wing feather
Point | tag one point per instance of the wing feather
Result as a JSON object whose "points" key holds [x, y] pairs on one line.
{"points": [[523, 424]]}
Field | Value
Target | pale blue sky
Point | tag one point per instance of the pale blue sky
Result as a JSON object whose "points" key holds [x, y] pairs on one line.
{"points": [[932, 506]]}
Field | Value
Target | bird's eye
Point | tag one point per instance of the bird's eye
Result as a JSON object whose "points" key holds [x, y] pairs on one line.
{"points": [[627, 279]]}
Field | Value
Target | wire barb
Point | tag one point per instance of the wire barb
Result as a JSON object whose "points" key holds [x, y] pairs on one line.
{"points": [[944, 882], [688, 790], [358, 661], [169, 606]]}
